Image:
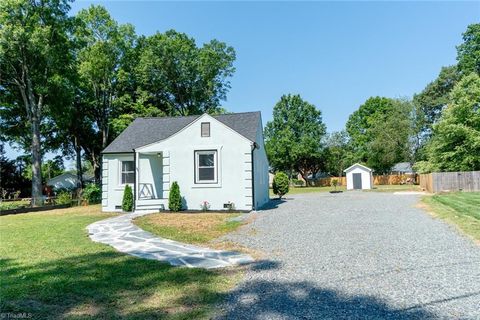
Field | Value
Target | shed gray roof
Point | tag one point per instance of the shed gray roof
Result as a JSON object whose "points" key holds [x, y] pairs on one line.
{"points": [[144, 131]]}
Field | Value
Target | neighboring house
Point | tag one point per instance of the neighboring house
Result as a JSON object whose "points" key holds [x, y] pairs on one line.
{"points": [[219, 159], [359, 177], [402, 168], [67, 180]]}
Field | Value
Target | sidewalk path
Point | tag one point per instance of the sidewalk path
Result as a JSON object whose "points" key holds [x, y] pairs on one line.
{"points": [[120, 233]]}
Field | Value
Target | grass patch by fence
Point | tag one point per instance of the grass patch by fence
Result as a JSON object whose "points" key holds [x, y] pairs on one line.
{"points": [[52, 270], [9, 205], [459, 208], [376, 188]]}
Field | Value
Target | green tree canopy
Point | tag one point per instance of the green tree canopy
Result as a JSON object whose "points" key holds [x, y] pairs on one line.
{"points": [[34, 57], [468, 53], [294, 136], [179, 78], [455, 144], [380, 132], [338, 153]]}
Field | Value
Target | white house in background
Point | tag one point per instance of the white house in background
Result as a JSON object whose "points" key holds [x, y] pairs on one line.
{"points": [[402, 168], [220, 159], [67, 180], [359, 177]]}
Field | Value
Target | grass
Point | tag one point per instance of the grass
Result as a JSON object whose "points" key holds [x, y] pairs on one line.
{"points": [[51, 270], [8, 205], [394, 187], [459, 208], [377, 188], [195, 228]]}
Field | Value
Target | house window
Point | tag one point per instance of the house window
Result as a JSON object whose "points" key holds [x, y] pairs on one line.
{"points": [[127, 172], [206, 166], [205, 129]]}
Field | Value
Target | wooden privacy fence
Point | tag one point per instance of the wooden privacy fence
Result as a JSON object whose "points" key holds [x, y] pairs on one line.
{"points": [[377, 180], [450, 181]]}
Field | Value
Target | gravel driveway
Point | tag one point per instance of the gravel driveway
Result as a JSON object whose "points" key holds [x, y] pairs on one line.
{"points": [[355, 255]]}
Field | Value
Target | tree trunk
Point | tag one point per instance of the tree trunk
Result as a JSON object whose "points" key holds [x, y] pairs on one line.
{"points": [[96, 169], [78, 156], [37, 198]]}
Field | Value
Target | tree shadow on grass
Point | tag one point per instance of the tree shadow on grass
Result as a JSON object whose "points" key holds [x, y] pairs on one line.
{"points": [[109, 285], [112, 285]]}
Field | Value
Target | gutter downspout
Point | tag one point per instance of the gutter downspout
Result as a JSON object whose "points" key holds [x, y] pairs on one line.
{"points": [[134, 180], [254, 146]]}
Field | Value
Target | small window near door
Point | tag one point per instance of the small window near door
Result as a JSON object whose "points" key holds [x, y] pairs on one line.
{"points": [[205, 129], [206, 166], [127, 172]]}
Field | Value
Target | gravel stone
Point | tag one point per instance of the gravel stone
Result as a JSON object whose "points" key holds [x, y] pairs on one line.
{"points": [[355, 255]]}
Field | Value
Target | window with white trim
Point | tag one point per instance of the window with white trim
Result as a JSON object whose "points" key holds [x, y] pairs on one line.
{"points": [[127, 174], [206, 166]]}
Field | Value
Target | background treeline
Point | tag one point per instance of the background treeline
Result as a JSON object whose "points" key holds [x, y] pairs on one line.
{"points": [[71, 84], [437, 130]]}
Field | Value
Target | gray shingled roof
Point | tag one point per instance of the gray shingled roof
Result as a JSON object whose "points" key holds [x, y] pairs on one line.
{"points": [[144, 131], [402, 167]]}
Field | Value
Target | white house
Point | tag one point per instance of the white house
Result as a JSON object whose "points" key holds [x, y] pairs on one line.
{"points": [[220, 159], [402, 168], [359, 177], [67, 180]]}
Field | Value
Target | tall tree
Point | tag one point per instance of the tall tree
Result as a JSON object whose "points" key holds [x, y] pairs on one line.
{"points": [[179, 78], [338, 153], [468, 53], [294, 136], [34, 56], [455, 144], [380, 132], [434, 98], [390, 134], [360, 122], [103, 48]]}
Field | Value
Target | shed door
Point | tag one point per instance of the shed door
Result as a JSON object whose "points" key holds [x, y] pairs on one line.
{"points": [[357, 181]]}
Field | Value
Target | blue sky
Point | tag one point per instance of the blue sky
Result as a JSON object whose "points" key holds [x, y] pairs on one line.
{"points": [[334, 54]]}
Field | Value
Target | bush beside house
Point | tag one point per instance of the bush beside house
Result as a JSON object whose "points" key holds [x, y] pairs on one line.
{"points": [[280, 184], [175, 199], [127, 203], [93, 194]]}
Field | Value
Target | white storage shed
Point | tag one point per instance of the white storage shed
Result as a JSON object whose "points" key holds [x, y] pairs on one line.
{"points": [[359, 177]]}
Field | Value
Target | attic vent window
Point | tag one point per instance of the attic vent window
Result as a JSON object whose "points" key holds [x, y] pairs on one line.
{"points": [[205, 129]]}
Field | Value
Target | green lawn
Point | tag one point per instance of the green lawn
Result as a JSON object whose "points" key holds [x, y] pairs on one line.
{"points": [[459, 208], [377, 188], [394, 187], [51, 269], [196, 228]]}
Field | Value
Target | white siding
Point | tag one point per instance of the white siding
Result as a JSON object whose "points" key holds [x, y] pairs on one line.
{"points": [[112, 190], [367, 178], [172, 159], [234, 162]]}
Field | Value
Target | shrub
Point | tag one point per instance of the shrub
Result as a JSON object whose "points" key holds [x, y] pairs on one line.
{"points": [[334, 183], [280, 184], [297, 182], [127, 202], [174, 198], [92, 193], [64, 197]]}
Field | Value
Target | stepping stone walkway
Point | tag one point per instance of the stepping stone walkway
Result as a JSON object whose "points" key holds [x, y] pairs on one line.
{"points": [[120, 233]]}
